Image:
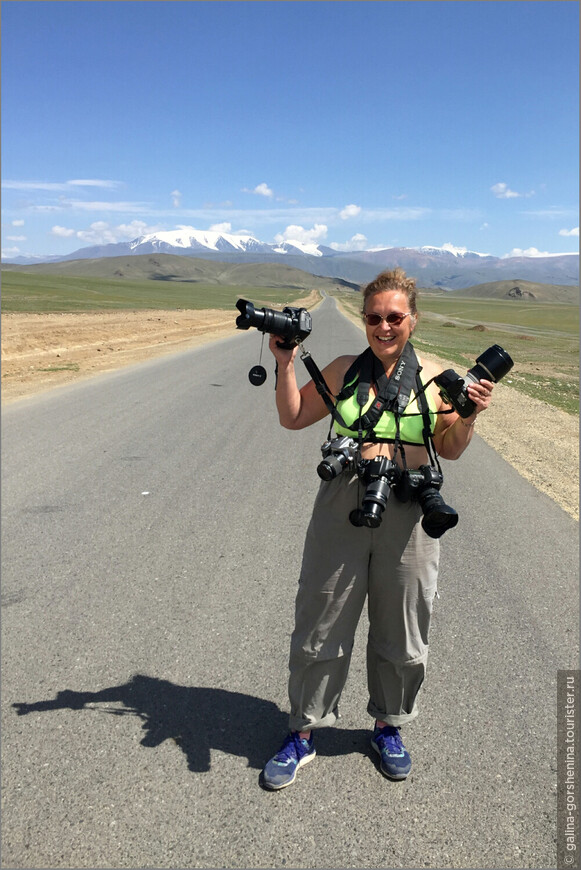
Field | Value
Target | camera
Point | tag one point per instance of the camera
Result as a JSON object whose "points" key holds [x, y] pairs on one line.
{"points": [[423, 486], [338, 455], [292, 324], [379, 475], [492, 365]]}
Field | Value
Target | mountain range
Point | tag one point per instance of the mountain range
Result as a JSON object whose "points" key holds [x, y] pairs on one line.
{"points": [[445, 268]]}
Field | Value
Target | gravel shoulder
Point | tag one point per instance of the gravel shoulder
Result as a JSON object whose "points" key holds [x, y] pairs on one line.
{"points": [[42, 351]]}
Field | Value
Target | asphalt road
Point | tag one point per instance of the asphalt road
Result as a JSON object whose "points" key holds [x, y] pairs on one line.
{"points": [[153, 522]]}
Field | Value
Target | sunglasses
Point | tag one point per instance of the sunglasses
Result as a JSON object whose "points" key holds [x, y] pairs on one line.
{"points": [[393, 319]]}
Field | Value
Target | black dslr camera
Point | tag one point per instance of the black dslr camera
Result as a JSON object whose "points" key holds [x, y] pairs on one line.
{"points": [[492, 365], [338, 455], [379, 475], [293, 324], [422, 485]]}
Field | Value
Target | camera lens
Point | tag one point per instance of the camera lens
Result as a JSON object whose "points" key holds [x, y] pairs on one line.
{"points": [[438, 516], [331, 467], [374, 502], [492, 365]]}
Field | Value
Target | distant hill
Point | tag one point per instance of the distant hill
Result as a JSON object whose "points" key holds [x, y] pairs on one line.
{"points": [[522, 291], [173, 267]]}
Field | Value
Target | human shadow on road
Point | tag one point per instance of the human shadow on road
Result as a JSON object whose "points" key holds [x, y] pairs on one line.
{"points": [[200, 719]]}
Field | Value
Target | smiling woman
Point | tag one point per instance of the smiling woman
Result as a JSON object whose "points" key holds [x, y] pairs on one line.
{"points": [[375, 526]]}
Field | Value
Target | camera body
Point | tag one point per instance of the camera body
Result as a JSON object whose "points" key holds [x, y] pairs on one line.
{"points": [[423, 485], [293, 324], [379, 475], [491, 365], [338, 455]]}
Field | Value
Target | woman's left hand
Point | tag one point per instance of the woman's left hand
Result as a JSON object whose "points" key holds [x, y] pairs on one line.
{"points": [[480, 394]]}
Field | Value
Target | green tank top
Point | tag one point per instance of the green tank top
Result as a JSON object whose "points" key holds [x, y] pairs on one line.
{"points": [[410, 427]]}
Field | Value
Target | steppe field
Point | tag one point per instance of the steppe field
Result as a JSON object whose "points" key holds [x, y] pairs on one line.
{"points": [[57, 329]]}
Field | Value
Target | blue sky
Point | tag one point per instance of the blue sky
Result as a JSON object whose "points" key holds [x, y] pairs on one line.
{"points": [[353, 124]]}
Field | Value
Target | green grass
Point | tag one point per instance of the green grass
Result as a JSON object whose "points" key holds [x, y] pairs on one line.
{"points": [[542, 339], [66, 367], [27, 292]]}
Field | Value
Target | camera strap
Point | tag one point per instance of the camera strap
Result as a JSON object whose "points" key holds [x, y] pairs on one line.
{"points": [[393, 394], [321, 386]]}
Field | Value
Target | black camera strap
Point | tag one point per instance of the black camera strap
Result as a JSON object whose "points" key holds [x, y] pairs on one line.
{"points": [[392, 394]]}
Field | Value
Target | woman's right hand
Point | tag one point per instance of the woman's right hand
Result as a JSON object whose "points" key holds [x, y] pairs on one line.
{"points": [[283, 357]]}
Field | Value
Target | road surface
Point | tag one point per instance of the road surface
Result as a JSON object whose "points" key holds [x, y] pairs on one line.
{"points": [[153, 522]]}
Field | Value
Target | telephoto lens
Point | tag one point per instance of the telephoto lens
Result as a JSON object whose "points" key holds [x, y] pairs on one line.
{"points": [[492, 365], [292, 324]]}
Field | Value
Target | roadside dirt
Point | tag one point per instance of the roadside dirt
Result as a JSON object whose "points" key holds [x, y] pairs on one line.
{"points": [[42, 351]]}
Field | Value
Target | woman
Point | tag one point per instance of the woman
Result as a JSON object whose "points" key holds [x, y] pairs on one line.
{"points": [[393, 562]]}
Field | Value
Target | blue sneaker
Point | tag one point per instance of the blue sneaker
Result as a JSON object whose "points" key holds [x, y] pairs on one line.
{"points": [[395, 759], [282, 769]]}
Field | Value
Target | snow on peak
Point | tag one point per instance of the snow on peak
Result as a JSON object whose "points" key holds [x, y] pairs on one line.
{"points": [[189, 237], [449, 248]]}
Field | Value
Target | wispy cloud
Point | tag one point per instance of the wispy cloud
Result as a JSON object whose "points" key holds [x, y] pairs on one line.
{"points": [[60, 186], [176, 198], [106, 206], [529, 252], [358, 242], [573, 232], [102, 233]]}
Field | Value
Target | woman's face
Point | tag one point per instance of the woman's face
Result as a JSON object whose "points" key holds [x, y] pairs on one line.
{"points": [[387, 340]]}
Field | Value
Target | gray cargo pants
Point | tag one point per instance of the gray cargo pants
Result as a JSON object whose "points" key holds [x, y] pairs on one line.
{"points": [[396, 567]]}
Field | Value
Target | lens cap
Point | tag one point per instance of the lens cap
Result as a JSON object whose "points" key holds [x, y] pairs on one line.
{"points": [[257, 375]]}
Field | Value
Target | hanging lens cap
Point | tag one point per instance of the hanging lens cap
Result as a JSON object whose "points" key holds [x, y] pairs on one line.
{"points": [[257, 375]]}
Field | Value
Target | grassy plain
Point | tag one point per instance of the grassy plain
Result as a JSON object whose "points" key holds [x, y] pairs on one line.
{"points": [[39, 293], [541, 337]]}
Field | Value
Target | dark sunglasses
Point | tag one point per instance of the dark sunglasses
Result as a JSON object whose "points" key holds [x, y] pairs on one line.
{"points": [[393, 319]]}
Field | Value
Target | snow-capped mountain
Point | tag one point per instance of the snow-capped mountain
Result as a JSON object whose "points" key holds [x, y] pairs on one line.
{"points": [[448, 267], [188, 240]]}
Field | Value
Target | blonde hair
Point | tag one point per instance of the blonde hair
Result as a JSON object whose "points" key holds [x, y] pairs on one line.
{"points": [[392, 279]]}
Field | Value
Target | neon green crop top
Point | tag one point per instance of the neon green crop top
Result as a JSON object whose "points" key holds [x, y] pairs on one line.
{"points": [[410, 428]]}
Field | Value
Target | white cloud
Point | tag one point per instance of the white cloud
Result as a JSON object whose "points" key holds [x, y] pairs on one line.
{"points": [[17, 223], [503, 191], [294, 233], [102, 233], [261, 189], [349, 211], [528, 252], [176, 198], [225, 227], [16, 238], [63, 232], [358, 242], [573, 232]]}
